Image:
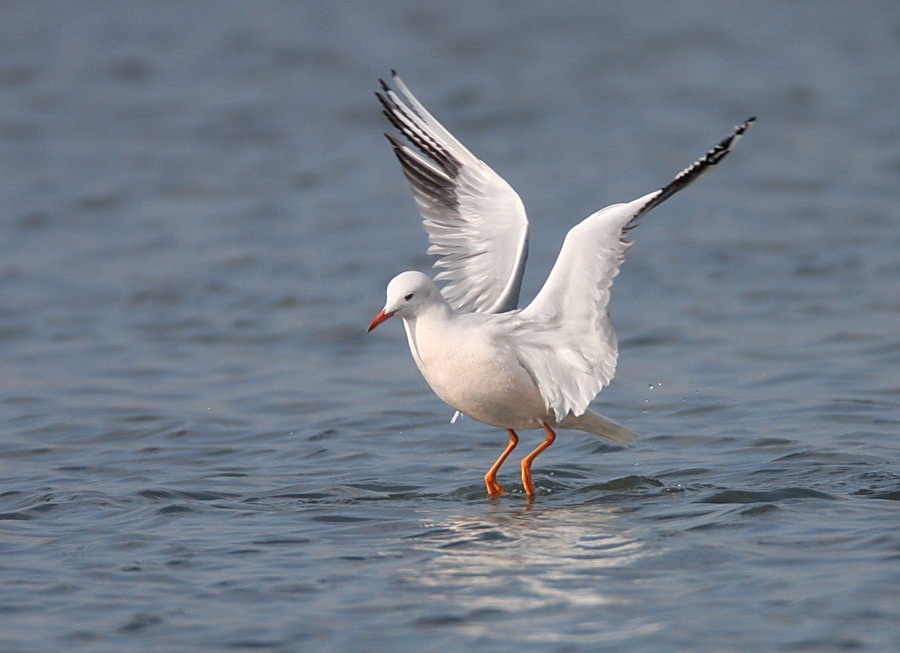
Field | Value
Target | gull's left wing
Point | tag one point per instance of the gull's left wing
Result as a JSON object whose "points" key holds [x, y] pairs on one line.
{"points": [[569, 315]]}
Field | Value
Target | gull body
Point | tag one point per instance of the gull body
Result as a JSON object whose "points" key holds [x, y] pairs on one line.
{"points": [[536, 367], [474, 347], [473, 361]]}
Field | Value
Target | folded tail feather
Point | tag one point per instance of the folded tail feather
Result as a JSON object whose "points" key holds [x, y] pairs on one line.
{"points": [[597, 424]]}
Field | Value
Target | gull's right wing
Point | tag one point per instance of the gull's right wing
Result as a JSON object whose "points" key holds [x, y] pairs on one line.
{"points": [[475, 221]]}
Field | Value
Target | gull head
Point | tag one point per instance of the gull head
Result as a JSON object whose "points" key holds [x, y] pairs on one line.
{"points": [[408, 294]]}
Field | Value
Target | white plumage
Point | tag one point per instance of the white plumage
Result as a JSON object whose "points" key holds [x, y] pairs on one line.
{"points": [[540, 366]]}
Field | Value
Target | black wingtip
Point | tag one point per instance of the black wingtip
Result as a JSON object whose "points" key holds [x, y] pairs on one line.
{"points": [[692, 172], [395, 142]]}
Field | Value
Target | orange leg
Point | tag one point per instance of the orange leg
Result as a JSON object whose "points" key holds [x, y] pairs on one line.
{"points": [[527, 460], [490, 479]]}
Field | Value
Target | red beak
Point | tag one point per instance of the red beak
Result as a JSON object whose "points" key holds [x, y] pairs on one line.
{"points": [[381, 317]]}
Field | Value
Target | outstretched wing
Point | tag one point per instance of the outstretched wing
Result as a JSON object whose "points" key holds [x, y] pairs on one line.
{"points": [[475, 221], [572, 354]]}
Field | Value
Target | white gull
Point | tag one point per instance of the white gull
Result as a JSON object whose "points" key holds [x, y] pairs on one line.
{"points": [[536, 367]]}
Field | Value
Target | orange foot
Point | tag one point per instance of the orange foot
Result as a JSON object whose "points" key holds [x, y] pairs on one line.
{"points": [[493, 487], [526, 462], [490, 479]]}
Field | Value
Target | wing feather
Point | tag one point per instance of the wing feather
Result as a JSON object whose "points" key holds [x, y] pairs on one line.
{"points": [[475, 221], [565, 338]]}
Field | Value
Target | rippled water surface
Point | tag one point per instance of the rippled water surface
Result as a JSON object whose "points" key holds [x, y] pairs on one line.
{"points": [[200, 450]]}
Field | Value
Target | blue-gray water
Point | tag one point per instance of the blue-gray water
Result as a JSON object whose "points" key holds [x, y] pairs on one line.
{"points": [[201, 451]]}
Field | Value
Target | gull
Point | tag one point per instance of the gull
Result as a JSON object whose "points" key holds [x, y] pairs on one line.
{"points": [[530, 368]]}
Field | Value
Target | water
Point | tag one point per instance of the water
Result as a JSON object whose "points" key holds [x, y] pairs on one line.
{"points": [[200, 450]]}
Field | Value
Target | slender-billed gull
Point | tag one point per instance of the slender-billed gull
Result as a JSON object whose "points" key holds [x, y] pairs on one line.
{"points": [[535, 367]]}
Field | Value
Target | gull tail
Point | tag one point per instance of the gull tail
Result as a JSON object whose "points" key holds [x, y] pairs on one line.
{"points": [[598, 425]]}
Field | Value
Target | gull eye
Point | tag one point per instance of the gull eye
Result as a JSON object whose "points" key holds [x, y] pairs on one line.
{"points": [[408, 296]]}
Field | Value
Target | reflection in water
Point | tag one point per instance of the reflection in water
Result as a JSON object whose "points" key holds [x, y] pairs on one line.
{"points": [[528, 563]]}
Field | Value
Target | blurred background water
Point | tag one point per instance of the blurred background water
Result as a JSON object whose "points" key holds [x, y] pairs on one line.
{"points": [[200, 450]]}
